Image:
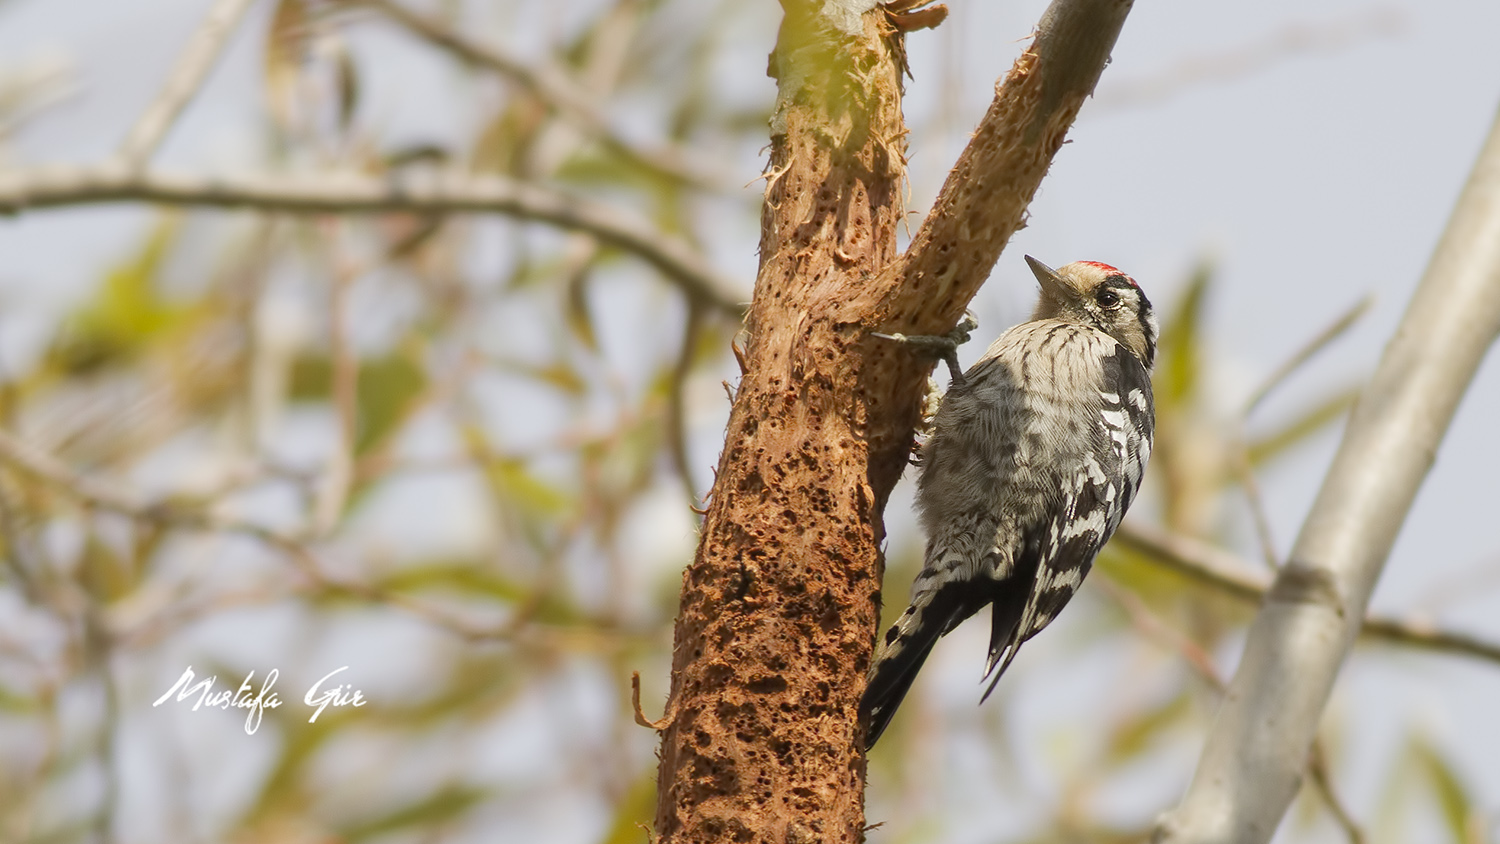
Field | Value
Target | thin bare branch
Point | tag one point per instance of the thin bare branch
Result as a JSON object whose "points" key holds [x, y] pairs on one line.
{"points": [[1317, 344], [202, 52], [39, 464], [1262, 521], [28, 90], [333, 490], [1251, 765], [352, 193], [1317, 768], [1225, 572], [47, 468], [1167, 637], [553, 85]]}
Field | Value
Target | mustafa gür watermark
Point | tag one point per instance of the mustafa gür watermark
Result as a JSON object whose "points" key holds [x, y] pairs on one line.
{"points": [[257, 701]]}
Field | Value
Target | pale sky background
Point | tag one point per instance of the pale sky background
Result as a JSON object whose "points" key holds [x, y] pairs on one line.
{"points": [[1311, 150]]}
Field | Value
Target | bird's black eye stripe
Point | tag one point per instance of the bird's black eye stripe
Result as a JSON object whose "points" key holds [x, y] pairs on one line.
{"points": [[1108, 293]]}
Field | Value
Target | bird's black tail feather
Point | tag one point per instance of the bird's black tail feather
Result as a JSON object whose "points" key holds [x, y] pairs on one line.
{"points": [[905, 648], [888, 685]]}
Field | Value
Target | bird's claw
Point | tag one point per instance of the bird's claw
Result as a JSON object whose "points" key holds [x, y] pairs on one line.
{"points": [[944, 346]]}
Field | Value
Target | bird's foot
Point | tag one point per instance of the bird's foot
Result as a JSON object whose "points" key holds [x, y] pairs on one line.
{"points": [[944, 346]]}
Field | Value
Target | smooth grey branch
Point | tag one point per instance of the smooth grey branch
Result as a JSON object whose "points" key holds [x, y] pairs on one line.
{"points": [[1252, 764]]}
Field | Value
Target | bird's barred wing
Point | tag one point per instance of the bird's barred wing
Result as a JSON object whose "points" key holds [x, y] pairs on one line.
{"points": [[1093, 501]]}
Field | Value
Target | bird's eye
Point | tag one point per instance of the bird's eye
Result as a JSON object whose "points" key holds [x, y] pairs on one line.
{"points": [[1107, 298]]}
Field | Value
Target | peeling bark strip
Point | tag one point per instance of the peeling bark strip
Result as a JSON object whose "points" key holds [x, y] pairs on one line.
{"points": [[779, 606]]}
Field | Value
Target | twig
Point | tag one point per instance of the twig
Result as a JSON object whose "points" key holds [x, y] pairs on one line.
{"points": [[47, 468], [1152, 627], [17, 551], [1241, 459], [351, 193], [552, 85], [1317, 767], [1317, 344], [39, 464], [199, 57], [1227, 573], [333, 492], [99, 647], [1155, 629], [640, 716], [29, 90]]}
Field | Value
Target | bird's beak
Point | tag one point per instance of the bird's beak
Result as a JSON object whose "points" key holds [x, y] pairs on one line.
{"points": [[1052, 283]]}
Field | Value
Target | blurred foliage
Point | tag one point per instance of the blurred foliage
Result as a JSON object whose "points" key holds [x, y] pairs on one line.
{"points": [[491, 529]]}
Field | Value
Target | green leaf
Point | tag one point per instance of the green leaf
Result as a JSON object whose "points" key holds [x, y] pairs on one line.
{"points": [[347, 75], [282, 791], [580, 317], [15, 703], [512, 480], [1452, 796], [505, 142], [126, 315], [1302, 427], [560, 375], [464, 577], [102, 573], [387, 387], [1135, 733], [1179, 351]]}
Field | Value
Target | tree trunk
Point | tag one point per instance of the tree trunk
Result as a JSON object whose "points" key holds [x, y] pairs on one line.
{"points": [[780, 605]]}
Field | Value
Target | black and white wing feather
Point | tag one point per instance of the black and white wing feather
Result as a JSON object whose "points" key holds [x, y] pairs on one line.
{"points": [[1094, 499]]}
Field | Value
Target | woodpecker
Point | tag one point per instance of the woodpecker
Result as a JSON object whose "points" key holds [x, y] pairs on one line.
{"points": [[1035, 454]]}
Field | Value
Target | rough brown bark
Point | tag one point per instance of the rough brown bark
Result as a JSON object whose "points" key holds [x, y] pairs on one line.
{"points": [[778, 608], [780, 604]]}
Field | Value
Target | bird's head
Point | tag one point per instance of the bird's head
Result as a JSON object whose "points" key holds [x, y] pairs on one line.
{"points": [[1096, 294]]}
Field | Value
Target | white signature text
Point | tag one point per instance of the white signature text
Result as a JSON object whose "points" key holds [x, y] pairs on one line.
{"points": [[257, 701]]}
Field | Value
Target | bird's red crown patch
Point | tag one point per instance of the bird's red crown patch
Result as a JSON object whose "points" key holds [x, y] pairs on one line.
{"points": [[1111, 271]]}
